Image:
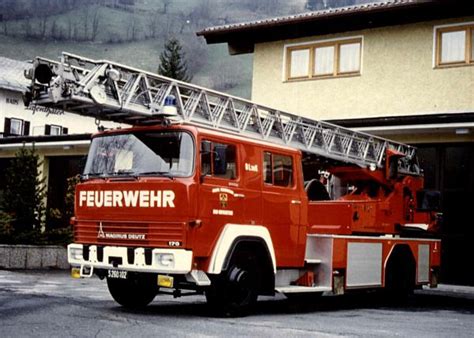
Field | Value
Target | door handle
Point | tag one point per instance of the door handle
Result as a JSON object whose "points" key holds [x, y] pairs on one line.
{"points": [[295, 202]]}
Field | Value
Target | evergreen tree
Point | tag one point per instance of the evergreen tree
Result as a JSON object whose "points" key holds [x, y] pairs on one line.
{"points": [[23, 197], [172, 61], [315, 5]]}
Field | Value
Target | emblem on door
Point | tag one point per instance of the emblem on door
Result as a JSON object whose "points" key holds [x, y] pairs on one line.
{"points": [[223, 199]]}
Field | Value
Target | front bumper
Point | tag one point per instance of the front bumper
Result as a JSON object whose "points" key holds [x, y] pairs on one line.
{"points": [[168, 261]]}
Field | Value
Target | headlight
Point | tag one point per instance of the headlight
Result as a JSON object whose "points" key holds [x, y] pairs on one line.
{"points": [[165, 260], [75, 253]]}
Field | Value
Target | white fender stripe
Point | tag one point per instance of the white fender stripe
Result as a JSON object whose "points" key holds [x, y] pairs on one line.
{"points": [[228, 236]]}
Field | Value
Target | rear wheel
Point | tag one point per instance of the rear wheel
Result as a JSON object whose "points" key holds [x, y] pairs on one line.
{"points": [[400, 274], [235, 290], [134, 292]]}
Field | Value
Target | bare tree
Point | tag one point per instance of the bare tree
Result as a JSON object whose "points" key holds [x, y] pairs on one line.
{"points": [[57, 32], [203, 10], [70, 27], [185, 21], [7, 12], [166, 4], [5, 27], [200, 53], [269, 6], [76, 31], [133, 28], [167, 26], [54, 31], [27, 27], [42, 25], [340, 3], [314, 5], [95, 24], [85, 21], [153, 23]]}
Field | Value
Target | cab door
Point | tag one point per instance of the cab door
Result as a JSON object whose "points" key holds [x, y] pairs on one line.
{"points": [[221, 196], [281, 204]]}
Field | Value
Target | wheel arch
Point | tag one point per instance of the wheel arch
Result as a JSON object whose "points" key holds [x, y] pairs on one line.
{"points": [[234, 235], [402, 257]]}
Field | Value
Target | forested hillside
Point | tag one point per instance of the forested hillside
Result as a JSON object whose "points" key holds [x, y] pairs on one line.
{"points": [[134, 31]]}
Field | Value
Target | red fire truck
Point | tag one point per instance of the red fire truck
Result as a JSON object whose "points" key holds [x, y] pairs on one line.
{"points": [[209, 193]]}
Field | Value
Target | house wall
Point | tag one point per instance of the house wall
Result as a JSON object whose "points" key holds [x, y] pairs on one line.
{"points": [[397, 78], [12, 106]]}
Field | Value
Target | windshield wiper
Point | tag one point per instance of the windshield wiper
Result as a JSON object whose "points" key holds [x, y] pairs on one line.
{"points": [[122, 173], [92, 175], [157, 173]]}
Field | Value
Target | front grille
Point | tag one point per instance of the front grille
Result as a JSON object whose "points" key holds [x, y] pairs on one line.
{"points": [[148, 234]]}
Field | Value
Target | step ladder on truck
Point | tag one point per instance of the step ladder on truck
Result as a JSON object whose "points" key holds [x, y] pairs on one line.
{"points": [[210, 193]]}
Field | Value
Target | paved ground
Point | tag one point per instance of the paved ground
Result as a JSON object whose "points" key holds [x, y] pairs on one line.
{"points": [[51, 304]]}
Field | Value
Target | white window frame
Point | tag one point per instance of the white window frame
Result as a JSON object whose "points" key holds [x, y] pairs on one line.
{"points": [[22, 126], [436, 48], [286, 47], [56, 127]]}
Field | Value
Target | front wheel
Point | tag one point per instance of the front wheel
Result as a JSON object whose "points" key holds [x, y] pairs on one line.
{"points": [[134, 292], [235, 290]]}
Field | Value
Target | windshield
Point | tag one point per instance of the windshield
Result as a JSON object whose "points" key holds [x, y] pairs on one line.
{"points": [[141, 153]]}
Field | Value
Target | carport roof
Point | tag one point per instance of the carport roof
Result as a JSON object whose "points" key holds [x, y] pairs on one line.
{"points": [[12, 74]]}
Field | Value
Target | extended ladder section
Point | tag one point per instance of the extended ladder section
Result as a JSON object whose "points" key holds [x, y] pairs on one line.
{"points": [[114, 92]]}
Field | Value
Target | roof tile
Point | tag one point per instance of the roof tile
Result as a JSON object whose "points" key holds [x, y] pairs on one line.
{"points": [[307, 15]]}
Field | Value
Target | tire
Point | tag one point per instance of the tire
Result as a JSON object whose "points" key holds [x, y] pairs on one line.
{"points": [[400, 278], [236, 289], [134, 292]]}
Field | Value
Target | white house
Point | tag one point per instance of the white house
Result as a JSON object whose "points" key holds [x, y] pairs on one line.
{"points": [[61, 139]]}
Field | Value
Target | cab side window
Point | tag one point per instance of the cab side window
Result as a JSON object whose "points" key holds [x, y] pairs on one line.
{"points": [[278, 169], [218, 160]]}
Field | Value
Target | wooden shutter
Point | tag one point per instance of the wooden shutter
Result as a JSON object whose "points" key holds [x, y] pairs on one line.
{"points": [[65, 130], [26, 128], [7, 126], [47, 129]]}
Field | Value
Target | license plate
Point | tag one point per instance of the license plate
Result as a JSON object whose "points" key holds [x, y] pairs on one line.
{"points": [[117, 274]]}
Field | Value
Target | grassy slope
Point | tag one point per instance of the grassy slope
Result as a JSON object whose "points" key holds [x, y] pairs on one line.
{"points": [[215, 67], [142, 54]]}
